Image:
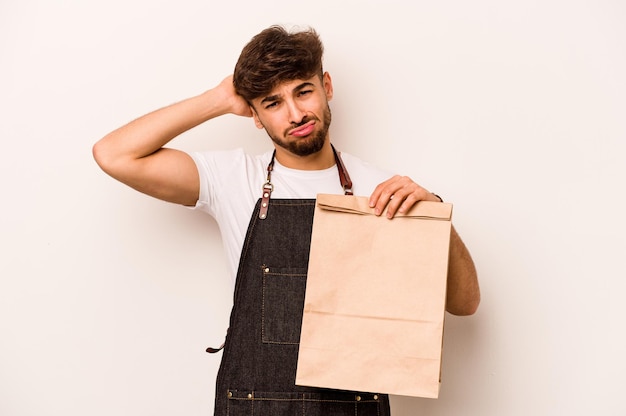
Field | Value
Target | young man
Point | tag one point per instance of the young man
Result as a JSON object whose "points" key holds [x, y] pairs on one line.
{"points": [[264, 207]]}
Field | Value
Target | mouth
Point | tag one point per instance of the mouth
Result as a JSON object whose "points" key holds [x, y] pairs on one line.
{"points": [[303, 130]]}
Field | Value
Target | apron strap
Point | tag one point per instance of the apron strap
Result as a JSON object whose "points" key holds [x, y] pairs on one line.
{"points": [[344, 178], [267, 189]]}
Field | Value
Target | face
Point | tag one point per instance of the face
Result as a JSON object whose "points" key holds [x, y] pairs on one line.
{"points": [[296, 114]]}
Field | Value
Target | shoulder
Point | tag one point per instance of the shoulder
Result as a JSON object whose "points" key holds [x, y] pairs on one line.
{"points": [[227, 175], [230, 160]]}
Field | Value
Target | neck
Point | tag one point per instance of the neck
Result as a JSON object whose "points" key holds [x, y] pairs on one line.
{"points": [[323, 159]]}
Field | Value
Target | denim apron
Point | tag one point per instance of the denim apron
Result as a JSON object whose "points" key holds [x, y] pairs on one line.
{"points": [[258, 368]]}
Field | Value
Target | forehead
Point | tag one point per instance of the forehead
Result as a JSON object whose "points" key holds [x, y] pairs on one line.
{"points": [[289, 86]]}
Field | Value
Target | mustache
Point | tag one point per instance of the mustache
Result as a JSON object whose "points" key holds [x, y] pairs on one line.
{"points": [[302, 122]]}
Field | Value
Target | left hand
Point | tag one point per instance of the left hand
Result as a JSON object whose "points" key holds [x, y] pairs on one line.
{"points": [[398, 194]]}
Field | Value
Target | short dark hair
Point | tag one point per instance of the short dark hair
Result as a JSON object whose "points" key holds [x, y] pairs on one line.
{"points": [[276, 55]]}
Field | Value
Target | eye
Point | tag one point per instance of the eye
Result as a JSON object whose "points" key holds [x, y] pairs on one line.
{"points": [[271, 105], [305, 92]]}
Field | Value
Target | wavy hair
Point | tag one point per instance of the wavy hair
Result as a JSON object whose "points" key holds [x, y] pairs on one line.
{"points": [[274, 56]]}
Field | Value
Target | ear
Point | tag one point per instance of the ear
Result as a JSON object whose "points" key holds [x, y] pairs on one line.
{"points": [[328, 86], [255, 116]]}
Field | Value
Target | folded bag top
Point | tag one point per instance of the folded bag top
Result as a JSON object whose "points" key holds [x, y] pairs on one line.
{"points": [[360, 205]]}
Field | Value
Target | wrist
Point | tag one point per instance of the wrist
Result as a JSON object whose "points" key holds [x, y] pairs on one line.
{"points": [[214, 103]]}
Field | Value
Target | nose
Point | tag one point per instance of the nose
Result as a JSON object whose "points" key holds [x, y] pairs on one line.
{"points": [[296, 113]]}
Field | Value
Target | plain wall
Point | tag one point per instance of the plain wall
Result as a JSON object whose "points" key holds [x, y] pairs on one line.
{"points": [[512, 111]]}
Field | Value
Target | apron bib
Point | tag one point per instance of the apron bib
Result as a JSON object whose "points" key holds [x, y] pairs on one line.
{"points": [[258, 368]]}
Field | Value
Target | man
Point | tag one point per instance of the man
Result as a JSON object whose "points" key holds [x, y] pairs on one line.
{"points": [[264, 207]]}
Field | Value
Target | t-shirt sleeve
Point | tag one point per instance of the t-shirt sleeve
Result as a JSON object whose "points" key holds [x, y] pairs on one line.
{"points": [[205, 165], [214, 167], [229, 179]]}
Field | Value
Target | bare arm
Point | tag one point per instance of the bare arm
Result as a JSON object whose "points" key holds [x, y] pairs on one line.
{"points": [[135, 154], [399, 194]]}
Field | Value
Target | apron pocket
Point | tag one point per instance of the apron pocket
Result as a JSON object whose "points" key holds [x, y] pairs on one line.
{"points": [[248, 403], [283, 303]]}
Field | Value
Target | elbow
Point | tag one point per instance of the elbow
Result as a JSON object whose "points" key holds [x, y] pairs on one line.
{"points": [[98, 152], [102, 155], [468, 309], [464, 307]]}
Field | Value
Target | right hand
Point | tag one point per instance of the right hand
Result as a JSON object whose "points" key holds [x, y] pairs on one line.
{"points": [[236, 103]]}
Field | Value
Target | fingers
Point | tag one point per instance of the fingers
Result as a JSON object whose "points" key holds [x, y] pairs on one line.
{"points": [[397, 194], [236, 104]]}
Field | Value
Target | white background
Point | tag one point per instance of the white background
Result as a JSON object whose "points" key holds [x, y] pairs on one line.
{"points": [[513, 111]]}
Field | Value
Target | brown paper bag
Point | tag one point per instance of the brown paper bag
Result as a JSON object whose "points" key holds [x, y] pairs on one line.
{"points": [[375, 298]]}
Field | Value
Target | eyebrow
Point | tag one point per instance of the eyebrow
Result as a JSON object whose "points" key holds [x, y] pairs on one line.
{"points": [[275, 97]]}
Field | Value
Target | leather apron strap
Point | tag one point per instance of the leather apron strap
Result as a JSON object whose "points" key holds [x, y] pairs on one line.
{"points": [[344, 178]]}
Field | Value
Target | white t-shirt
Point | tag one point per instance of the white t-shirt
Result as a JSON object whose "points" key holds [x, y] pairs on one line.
{"points": [[232, 181]]}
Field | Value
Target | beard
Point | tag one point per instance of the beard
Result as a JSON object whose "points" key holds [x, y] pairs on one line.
{"points": [[308, 145]]}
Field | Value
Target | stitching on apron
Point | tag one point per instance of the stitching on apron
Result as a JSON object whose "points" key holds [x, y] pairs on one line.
{"points": [[299, 204], [303, 400], [253, 397], [249, 237]]}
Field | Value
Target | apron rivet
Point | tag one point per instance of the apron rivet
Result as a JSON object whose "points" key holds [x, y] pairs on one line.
{"points": [[358, 398], [376, 397], [249, 395], [230, 394], [266, 270]]}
